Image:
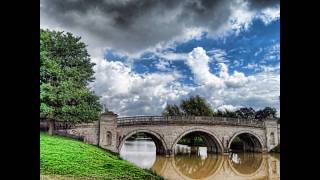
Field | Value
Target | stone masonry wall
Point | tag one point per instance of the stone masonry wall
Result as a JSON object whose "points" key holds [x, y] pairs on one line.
{"points": [[271, 127], [109, 135], [87, 132], [172, 133], [108, 132]]}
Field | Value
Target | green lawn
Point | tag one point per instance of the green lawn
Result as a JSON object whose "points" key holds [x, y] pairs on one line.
{"points": [[63, 158]]}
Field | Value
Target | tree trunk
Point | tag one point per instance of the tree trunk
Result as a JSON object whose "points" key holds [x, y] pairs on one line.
{"points": [[51, 127]]}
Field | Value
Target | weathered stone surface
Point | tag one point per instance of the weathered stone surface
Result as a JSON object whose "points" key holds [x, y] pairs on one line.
{"points": [[88, 132], [111, 132]]}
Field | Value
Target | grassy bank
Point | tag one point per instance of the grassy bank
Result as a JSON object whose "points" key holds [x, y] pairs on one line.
{"points": [[63, 158], [276, 149]]}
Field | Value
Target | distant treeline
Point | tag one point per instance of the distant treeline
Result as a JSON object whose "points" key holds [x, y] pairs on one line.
{"points": [[197, 106]]}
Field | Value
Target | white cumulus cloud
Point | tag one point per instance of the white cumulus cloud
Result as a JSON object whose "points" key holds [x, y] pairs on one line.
{"points": [[198, 62], [128, 93]]}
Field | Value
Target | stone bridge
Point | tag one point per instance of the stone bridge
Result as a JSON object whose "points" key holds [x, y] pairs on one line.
{"points": [[218, 132]]}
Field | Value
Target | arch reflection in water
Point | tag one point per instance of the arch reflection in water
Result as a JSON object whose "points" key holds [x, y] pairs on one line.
{"points": [[202, 165], [196, 167], [246, 163]]}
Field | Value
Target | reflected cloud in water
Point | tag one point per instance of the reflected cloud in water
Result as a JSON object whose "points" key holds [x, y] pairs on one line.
{"points": [[141, 153]]}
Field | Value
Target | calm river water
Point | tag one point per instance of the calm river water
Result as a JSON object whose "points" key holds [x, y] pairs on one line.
{"points": [[201, 165]]}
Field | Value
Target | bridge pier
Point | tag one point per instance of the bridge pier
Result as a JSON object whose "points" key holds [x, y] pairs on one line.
{"points": [[226, 151], [193, 149], [169, 153]]}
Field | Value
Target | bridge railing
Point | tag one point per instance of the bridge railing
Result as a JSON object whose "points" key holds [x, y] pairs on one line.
{"points": [[152, 120]]}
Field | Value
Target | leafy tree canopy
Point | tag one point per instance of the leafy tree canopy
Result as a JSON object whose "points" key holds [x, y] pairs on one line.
{"points": [[265, 113], [65, 71], [172, 110], [196, 106], [193, 106], [246, 113], [225, 113]]}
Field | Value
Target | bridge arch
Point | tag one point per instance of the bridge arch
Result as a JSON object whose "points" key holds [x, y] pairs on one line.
{"points": [[249, 137], [161, 146], [210, 139]]}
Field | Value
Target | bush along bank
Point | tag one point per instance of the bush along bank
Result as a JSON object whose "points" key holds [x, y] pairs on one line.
{"points": [[276, 149]]}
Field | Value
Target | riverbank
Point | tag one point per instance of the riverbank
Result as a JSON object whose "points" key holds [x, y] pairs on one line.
{"points": [[276, 149], [64, 158]]}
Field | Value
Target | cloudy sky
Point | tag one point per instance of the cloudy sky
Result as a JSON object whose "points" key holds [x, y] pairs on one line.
{"points": [[150, 53]]}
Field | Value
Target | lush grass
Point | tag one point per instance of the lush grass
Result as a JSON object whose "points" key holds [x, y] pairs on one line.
{"points": [[68, 158]]}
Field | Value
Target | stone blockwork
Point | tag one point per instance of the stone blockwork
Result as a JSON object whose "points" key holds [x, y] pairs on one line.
{"points": [[279, 133], [108, 137], [111, 132], [88, 132], [271, 134], [170, 135]]}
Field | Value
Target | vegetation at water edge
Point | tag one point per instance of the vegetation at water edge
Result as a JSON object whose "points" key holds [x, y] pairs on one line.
{"points": [[276, 149]]}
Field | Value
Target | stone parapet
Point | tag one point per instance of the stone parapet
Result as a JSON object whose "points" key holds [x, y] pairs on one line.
{"points": [[161, 120]]}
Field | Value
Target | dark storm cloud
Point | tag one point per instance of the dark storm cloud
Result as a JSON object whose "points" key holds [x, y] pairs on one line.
{"points": [[133, 25], [259, 4]]}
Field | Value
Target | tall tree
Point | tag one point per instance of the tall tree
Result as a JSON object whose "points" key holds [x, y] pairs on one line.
{"points": [[246, 113], [65, 71], [219, 113], [172, 110], [196, 106], [265, 113], [225, 113], [230, 114]]}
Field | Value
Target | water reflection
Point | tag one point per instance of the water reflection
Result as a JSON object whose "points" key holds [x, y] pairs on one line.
{"points": [[196, 167], [200, 165], [141, 153], [246, 163]]}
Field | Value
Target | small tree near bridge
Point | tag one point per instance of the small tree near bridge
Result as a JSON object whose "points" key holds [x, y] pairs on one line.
{"points": [[193, 106], [246, 113], [265, 113]]}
